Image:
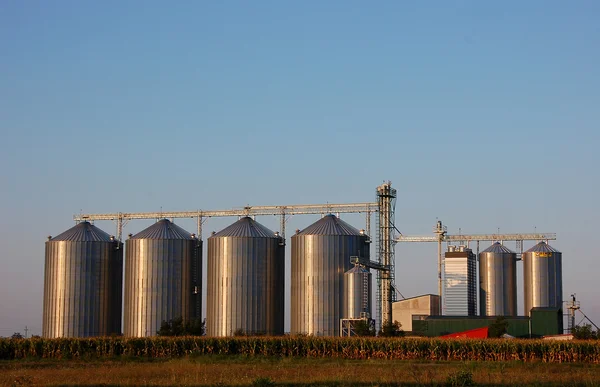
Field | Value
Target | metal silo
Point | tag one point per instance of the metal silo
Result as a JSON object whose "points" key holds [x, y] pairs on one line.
{"points": [[83, 281], [320, 257], [163, 273], [542, 274], [497, 281], [357, 292], [245, 280]]}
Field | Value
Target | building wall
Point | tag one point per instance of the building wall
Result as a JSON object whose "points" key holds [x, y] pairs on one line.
{"points": [[403, 311]]}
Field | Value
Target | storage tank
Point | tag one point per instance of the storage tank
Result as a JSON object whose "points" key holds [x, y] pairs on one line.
{"points": [[542, 274], [320, 257], [83, 279], [163, 272], [357, 292], [497, 281], [245, 280]]}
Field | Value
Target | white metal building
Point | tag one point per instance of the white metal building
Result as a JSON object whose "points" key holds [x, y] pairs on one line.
{"points": [[460, 282]]}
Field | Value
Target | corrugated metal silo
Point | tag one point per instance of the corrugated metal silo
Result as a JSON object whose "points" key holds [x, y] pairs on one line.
{"points": [[357, 292], [542, 274], [320, 257], [497, 281], [245, 280], [163, 274], [83, 281]]}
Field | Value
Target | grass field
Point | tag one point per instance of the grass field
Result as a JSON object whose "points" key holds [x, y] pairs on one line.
{"points": [[221, 370]]}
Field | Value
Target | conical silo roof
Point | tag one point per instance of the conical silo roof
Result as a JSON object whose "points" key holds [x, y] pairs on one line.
{"points": [[329, 225], [498, 248], [246, 227], [83, 232], [358, 269], [163, 229], [542, 247]]}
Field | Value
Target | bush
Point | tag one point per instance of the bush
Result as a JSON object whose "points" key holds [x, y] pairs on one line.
{"points": [[363, 328], [460, 378], [178, 327], [263, 382], [389, 329]]}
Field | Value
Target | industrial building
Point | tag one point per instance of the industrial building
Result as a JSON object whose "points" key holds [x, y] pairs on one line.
{"points": [[542, 277], [83, 280], [320, 257], [460, 273], [331, 275], [245, 282], [541, 322], [162, 278], [498, 281], [415, 308]]}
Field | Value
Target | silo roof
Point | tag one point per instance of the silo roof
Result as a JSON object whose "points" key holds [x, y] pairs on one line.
{"points": [[542, 247], [83, 232], [358, 269], [163, 229], [246, 227], [498, 248], [329, 225]]}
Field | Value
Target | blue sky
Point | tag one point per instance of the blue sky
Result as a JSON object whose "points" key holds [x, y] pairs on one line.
{"points": [[484, 114]]}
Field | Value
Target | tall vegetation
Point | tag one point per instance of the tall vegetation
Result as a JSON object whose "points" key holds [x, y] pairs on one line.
{"points": [[297, 346], [498, 327], [584, 332]]}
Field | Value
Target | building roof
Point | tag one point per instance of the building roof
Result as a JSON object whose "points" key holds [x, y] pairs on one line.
{"points": [[498, 248], [412, 298], [358, 269], [542, 247], [246, 227], [83, 232], [329, 225], [163, 229]]}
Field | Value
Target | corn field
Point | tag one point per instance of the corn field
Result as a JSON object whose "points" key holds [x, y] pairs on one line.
{"points": [[296, 346]]}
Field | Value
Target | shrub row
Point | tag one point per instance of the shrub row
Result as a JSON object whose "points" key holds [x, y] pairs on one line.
{"points": [[297, 346]]}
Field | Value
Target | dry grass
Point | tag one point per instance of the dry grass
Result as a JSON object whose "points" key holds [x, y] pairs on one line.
{"points": [[242, 371]]}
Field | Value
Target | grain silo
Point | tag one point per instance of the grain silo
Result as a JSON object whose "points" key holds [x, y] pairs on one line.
{"points": [[542, 275], [245, 280], [320, 257], [497, 281], [357, 293], [163, 273], [83, 281]]}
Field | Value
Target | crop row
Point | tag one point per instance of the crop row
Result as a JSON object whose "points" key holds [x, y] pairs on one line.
{"points": [[292, 346]]}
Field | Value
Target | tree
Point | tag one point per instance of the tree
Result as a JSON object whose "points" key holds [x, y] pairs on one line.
{"points": [[178, 327], [498, 327], [16, 335], [389, 329], [363, 328], [584, 332]]}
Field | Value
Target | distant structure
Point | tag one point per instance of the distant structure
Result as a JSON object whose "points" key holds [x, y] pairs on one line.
{"points": [[245, 280], [497, 281], [460, 288], [163, 272], [542, 275], [82, 283], [415, 309], [320, 257]]}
